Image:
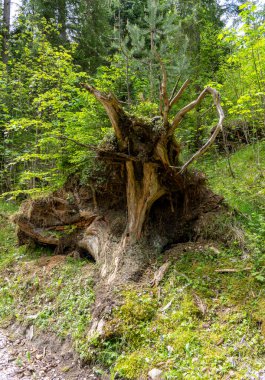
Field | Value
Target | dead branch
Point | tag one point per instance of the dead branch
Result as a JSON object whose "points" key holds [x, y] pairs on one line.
{"points": [[89, 146], [217, 101], [174, 89], [163, 89], [201, 305], [95, 203], [116, 155], [35, 233], [232, 270], [101, 153], [179, 93], [159, 274], [113, 108], [186, 109], [83, 222]]}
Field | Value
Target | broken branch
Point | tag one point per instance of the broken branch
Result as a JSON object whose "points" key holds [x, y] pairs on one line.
{"points": [[174, 89], [112, 155], [89, 146], [163, 89], [160, 273], [232, 270], [179, 93], [186, 109], [219, 127], [113, 108]]}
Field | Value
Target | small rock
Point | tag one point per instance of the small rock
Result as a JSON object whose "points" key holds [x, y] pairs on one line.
{"points": [[214, 249], [155, 374], [30, 332]]}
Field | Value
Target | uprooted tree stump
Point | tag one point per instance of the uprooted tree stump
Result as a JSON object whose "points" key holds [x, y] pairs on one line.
{"points": [[147, 202]]}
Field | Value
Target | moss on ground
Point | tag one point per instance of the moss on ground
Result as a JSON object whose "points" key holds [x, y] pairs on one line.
{"points": [[198, 324]]}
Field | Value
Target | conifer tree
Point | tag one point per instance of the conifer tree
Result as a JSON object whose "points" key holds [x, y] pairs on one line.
{"points": [[85, 22]]}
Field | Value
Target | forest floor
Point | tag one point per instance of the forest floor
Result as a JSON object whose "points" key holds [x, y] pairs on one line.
{"points": [[7, 369], [23, 357], [27, 352], [205, 320]]}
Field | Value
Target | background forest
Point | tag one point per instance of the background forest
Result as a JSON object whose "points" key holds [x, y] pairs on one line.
{"points": [[205, 319], [53, 46]]}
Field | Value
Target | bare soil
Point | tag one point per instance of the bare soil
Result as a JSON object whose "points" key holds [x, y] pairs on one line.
{"points": [[25, 355]]}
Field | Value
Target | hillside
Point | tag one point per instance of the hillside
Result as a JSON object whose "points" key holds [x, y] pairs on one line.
{"points": [[203, 320], [132, 187]]}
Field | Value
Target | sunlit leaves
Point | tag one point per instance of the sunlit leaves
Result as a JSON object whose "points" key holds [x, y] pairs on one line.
{"points": [[243, 72], [43, 102]]}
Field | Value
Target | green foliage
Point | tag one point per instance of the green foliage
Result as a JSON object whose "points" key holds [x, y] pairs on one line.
{"points": [[242, 73], [90, 29], [8, 255], [157, 32], [83, 22], [44, 106], [65, 303], [190, 327], [124, 11], [244, 192], [200, 323], [43, 290], [201, 22]]}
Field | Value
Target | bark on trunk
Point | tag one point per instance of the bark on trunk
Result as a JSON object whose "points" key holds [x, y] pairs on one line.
{"points": [[141, 194]]}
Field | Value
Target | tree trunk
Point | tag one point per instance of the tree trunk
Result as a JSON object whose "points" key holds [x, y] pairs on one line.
{"points": [[62, 19], [141, 195], [6, 29]]}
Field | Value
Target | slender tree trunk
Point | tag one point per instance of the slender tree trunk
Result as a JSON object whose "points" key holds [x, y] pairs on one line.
{"points": [[152, 46], [62, 18], [6, 29], [128, 81]]}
